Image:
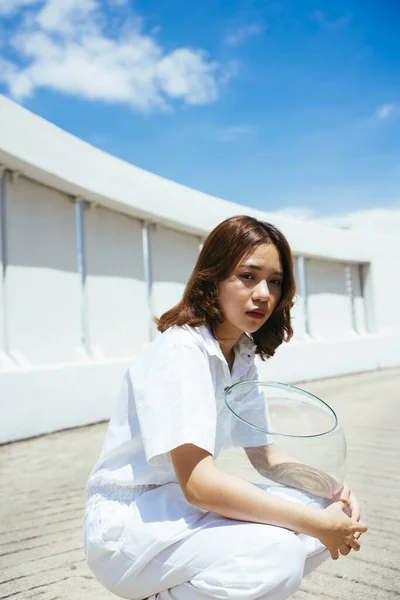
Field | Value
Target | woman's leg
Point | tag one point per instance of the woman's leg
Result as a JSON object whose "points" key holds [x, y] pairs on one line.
{"points": [[314, 561], [213, 557], [315, 550], [226, 559]]}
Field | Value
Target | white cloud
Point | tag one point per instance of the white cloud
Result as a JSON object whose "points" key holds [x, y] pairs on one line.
{"points": [[63, 17], [64, 46], [298, 212], [240, 35], [11, 7], [327, 23], [378, 221], [185, 73], [385, 110], [232, 68], [232, 133]]}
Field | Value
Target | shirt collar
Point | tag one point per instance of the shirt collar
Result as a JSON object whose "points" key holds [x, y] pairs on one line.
{"points": [[245, 348]]}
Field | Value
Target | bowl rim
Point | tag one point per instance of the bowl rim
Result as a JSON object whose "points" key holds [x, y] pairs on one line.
{"points": [[280, 385]]}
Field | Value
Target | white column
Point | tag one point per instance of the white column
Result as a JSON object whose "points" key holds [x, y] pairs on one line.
{"points": [[3, 263], [146, 241], [80, 208], [7, 361], [350, 293], [302, 269], [367, 287]]}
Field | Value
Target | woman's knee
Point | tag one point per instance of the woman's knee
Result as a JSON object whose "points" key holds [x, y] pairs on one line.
{"points": [[270, 567], [288, 567]]}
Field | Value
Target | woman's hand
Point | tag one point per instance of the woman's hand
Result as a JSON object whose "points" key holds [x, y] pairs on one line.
{"points": [[353, 506], [352, 509], [338, 532]]}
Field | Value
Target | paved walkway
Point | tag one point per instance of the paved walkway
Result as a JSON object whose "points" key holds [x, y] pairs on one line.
{"points": [[42, 500]]}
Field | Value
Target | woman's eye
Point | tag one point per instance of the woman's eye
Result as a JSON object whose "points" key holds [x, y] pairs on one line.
{"points": [[250, 276]]}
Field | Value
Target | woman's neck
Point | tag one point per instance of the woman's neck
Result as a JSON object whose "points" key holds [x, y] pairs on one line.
{"points": [[227, 340]]}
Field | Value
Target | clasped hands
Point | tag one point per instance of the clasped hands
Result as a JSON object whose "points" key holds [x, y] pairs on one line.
{"points": [[351, 507], [309, 479]]}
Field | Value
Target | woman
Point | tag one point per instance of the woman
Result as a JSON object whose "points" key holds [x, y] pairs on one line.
{"points": [[161, 519]]}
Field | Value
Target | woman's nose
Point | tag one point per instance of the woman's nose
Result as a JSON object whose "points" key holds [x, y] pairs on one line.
{"points": [[261, 291]]}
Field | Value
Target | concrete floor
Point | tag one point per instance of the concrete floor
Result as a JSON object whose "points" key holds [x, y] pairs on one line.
{"points": [[42, 501]]}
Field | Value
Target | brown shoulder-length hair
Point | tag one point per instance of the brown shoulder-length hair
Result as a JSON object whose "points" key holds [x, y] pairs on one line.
{"points": [[231, 241]]}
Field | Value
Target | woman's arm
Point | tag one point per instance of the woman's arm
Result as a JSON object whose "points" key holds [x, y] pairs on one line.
{"points": [[272, 464], [205, 486]]}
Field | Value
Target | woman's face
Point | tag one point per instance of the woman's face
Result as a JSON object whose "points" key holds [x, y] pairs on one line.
{"points": [[254, 285]]}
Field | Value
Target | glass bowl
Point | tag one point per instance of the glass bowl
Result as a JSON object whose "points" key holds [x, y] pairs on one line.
{"points": [[279, 434]]}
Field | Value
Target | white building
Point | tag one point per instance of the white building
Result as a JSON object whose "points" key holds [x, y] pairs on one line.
{"points": [[92, 246]]}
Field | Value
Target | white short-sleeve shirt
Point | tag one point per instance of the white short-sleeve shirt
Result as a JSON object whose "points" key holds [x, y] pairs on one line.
{"points": [[172, 394]]}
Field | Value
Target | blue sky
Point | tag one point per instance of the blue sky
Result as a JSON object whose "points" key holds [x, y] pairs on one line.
{"points": [[290, 106]]}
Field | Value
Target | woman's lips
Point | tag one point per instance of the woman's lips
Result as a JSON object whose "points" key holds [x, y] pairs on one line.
{"points": [[255, 315]]}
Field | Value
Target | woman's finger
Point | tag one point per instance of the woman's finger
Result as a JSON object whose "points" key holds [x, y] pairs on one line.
{"points": [[345, 550], [334, 554], [355, 544], [351, 502], [344, 493], [355, 507], [359, 527]]}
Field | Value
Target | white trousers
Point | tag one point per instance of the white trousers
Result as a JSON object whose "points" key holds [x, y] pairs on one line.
{"points": [[216, 557]]}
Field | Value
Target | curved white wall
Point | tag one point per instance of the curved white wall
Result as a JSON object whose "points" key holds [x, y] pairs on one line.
{"points": [[92, 248], [115, 283], [328, 300], [298, 312], [173, 256], [41, 273]]}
